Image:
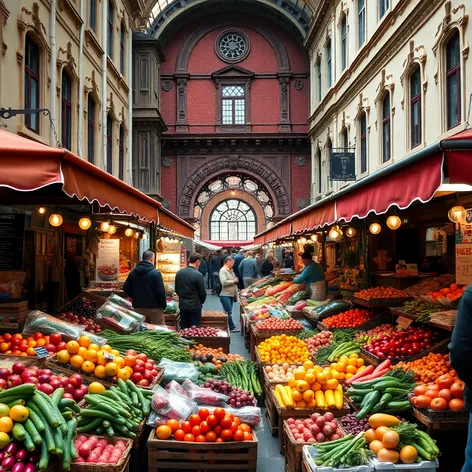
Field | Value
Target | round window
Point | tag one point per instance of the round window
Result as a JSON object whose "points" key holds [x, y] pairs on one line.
{"points": [[232, 46]]}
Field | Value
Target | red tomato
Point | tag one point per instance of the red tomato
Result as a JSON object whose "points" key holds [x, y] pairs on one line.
{"points": [[186, 427], [237, 421], [203, 413], [445, 381], [227, 435], [226, 422], [234, 426], [432, 392], [142, 357], [196, 431], [210, 436], [446, 394], [179, 435], [212, 421], [245, 427], [248, 436], [456, 404], [217, 430], [189, 438], [238, 435], [55, 338], [438, 404], [61, 346], [194, 420], [7, 337], [36, 336], [200, 438], [204, 427], [457, 389], [219, 440], [220, 413]]}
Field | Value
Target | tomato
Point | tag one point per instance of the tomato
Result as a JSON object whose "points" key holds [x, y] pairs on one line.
{"points": [[456, 404], [226, 422], [142, 357], [194, 420], [174, 425], [438, 404], [234, 426], [248, 436], [204, 427], [237, 420], [445, 381], [212, 421], [238, 435], [200, 438], [179, 435], [245, 427], [219, 440], [7, 337], [420, 389], [36, 336], [55, 338], [217, 430], [231, 416], [219, 413], [203, 413], [457, 389], [210, 436], [189, 438], [186, 427], [196, 431], [227, 435], [446, 394], [432, 392]]}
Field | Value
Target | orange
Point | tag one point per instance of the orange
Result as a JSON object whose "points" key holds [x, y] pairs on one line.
{"points": [[111, 369], [291, 382], [299, 374], [6, 424], [124, 374], [352, 362], [88, 367], [130, 361], [82, 352], [30, 351], [72, 347], [76, 361], [296, 395], [63, 356], [106, 348], [308, 365], [4, 410], [308, 395], [101, 360], [40, 342], [91, 355], [32, 343], [96, 387], [100, 372], [310, 378], [163, 432], [4, 440], [84, 341], [321, 378], [94, 347], [302, 386], [350, 369], [18, 413], [128, 369], [115, 352], [119, 361]]}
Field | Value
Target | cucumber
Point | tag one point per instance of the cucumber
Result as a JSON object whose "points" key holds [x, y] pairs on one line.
{"points": [[58, 441], [19, 432], [29, 444], [110, 431], [66, 403], [49, 413], [103, 415], [47, 432], [57, 395], [22, 391], [89, 425], [33, 432], [71, 425], [20, 401], [44, 460]]}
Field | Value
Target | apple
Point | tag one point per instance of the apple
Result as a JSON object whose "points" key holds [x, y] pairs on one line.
{"points": [[4, 374], [18, 368], [75, 380], [44, 379], [47, 372], [137, 377], [69, 388], [148, 366], [3, 384], [152, 362], [14, 381], [34, 369], [143, 383], [31, 380], [67, 395], [46, 388], [55, 383], [61, 346], [148, 375], [50, 347]]}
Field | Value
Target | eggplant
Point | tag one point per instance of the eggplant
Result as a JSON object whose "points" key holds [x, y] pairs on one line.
{"points": [[18, 467], [22, 455], [9, 462], [12, 448], [30, 468]]}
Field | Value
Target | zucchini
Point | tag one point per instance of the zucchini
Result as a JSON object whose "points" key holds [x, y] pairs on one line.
{"points": [[332, 308], [370, 400]]}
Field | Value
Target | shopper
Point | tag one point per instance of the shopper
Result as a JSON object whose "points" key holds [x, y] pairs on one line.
{"points": [[288, 261], [145, 287], [248, 269], [267, 266], [229, 290], [460, 354], [259, 262], [314, 278], [215, 266], [190, 287], [203, 268], [238, 258]]}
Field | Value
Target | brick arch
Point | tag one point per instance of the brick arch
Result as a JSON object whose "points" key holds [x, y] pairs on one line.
{"points": [[260, 172], [231, 195]]}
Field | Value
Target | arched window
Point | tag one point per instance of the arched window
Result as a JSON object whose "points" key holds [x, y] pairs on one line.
{"points": [[91, 114], [345, 137], [111, 22], [384, 5], [343, 43], [453, 80], [329, 149], [122, 49], [318, 78], [320, 170], [32, 70], [329, 75], [415, 107], [93, 15], [361, 21], [109, 144], [233, 105], [386, 129], [66, 107], [232, 220], [121, 154], [363, 141]]}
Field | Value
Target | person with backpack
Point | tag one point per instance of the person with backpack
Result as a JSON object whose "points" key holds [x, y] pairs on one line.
{"points": [[229, 290]]}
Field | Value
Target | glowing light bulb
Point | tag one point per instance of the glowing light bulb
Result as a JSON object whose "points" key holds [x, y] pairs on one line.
{"points": [[457, 214], [104, 226], [129, 232], [41, 210], [394, 222], [85, 223], [351, 232], [55, 220], [375, 228]]}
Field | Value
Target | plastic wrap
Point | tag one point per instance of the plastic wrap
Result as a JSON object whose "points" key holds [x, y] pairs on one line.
{"points": [[252, 415], [204, 396], [178, 371], [119, 318], [114, 298], [95, 338], [175, 387], [167, 405], [172, 308], [47, 324]]}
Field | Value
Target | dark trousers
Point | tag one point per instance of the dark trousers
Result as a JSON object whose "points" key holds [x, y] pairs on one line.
{"points": [[228, 303], [189, 318]]}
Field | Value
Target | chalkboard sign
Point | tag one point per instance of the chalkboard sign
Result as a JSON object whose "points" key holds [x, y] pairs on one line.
{"points": [[342, 164], [12, 230], [41, 352]]}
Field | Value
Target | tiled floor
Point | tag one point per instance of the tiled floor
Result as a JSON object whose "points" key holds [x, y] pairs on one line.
{"points": [[269, 457]]}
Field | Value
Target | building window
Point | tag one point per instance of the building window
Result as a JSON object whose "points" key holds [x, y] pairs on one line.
{"points": [[320, 171], [32, 65], [363, 140], [122, 49], [328, 64], [121, 154], [66, 101], [361, 19], [386, 129], [344, 43], [232, 46], [232, 220], [109, 144], [345, 137], [110, 35], [415, 107], [318, 78], [453, 81], [328, 160], [93, 15], [91, 114], [384, 5], [233, 105]]}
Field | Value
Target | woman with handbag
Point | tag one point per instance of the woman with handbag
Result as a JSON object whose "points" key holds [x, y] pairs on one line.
{"points": [[229, 291]]}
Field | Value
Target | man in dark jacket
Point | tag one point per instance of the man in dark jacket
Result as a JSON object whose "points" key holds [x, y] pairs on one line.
{"points": [[238, 258], [216, 263], [190, 287], [145, 287], [460, 354]]}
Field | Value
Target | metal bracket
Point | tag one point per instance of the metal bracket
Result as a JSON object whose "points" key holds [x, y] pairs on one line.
{"points": [[7, 113]]}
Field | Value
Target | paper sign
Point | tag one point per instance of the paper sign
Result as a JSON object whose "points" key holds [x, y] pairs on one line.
{"points": [[108, 260], [41, 352], [108, 356], [463, 264], [403, 322]]}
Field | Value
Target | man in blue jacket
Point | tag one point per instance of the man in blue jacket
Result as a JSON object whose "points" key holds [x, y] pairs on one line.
{"points": [[460, 354], [247, 269], [145, 287]]}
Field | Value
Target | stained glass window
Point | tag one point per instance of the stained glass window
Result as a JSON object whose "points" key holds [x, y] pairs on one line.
{"points": [[232, 220]]}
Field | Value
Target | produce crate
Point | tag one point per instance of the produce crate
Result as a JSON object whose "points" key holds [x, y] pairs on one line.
{"points": [[218, 322], [179, 455], [172, 320], [257, 337], [380, 302], [424, 466], [271, 412], [13, 315], [120, 466], [372, 359], [309, 455], [213, 341], [384, 317], [440, 425], [92, 297]]}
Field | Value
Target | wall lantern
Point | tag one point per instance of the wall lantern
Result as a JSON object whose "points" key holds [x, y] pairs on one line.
{"points": [[351, 232], [375, 228], [104, 226], [457, 214], [85, 223], [314, 238], [129, 232], [55, 220], [112, 229], [41, 210], [394, 222], [136, 235], [335, 233]]}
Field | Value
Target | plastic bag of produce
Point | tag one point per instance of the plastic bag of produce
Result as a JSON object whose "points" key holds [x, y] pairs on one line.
{"points": [[169, 406], [175, 387], [252, 415], [96, 338], [114, 298], [118, 318], [178, 371], [172, 308], [47, 324], [152, 327], [204, 396]]}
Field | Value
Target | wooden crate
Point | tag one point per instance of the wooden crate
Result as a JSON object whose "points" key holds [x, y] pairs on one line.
{"points": [[13, 315], [257, 337], [172, 320], [213, 341], [305, 466], [293, 451], [179, 455], [218, 322], [271, 412]]}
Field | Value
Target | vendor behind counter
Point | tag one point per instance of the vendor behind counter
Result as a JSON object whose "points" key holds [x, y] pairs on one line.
{"points": [[314, 278]]}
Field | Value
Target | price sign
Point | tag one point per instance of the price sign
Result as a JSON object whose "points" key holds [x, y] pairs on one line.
{"points": [[403, 322], [108, 356], [41, 352], [342, 165], [463, 264]]}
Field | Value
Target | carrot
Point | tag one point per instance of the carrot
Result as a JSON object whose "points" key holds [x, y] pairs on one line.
{"points": [[384, 365], [373, 376], [364, 373]]}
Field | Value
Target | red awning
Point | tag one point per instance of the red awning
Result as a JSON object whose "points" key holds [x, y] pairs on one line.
{"points": [[230, 243], [167, 220], [317, 218], [418, 182]]}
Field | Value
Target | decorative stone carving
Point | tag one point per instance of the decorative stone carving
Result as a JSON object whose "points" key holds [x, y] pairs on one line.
{"points": [[182, 124], [166, 204], [166, 161], [299, 84], [284, 124], [303, 203], [299, 161], [166, 85]]}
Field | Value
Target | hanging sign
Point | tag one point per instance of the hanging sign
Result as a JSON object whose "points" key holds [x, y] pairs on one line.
{"points": [[463, 264], [342, 165], [108, 260]]}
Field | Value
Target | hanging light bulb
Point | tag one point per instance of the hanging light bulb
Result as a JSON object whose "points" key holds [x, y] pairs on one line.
{"points": [[41, 210], [85, 223], [351, 232], [303, 240], [167, 239], [136, 235], [104, 226], [394, 222], [457, 214], [55, 220], [375, 228], [129, 232], [335, 233], [112, 229], [314, 238]]}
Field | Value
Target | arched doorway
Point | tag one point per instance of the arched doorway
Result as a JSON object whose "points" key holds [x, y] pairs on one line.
{"points": [[232, 220]]}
